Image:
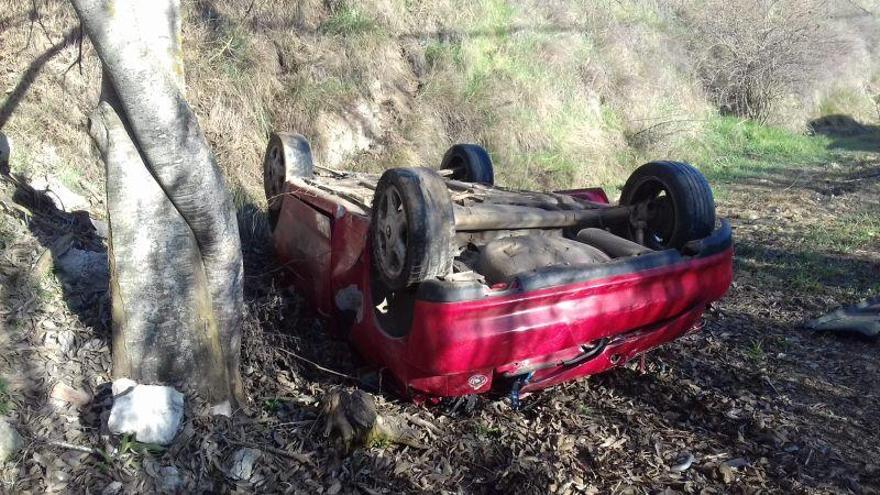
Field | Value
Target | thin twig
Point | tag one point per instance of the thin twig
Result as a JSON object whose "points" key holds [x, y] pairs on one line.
{"points": [[297, 456], [658, 124], [72, 446], [79, 57], [316, 365], [39, 20], [797, 178]]}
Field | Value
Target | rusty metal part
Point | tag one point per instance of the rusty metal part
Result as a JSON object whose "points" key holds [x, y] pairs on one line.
{"points": [[497, 217]]}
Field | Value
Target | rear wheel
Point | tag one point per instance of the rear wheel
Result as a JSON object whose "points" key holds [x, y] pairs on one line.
{"points": [[674, 202], [412, 227], [469, 163], [288, 156]]}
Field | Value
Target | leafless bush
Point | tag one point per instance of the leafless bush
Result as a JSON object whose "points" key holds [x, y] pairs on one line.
{"points": [[750, 54]]}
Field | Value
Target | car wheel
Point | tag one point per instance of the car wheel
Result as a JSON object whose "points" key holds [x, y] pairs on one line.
{"points": [[412, 227], [676, 204], [288, 156], [469, 163]]}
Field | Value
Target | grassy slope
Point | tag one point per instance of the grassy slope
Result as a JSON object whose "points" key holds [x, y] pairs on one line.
{"points": [[562, 94]]}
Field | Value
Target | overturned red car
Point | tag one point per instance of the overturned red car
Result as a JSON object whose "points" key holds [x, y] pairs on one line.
{"points": [[455, 286]]}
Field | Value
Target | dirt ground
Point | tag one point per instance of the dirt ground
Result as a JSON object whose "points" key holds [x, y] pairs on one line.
{"points": [[761, 404]]}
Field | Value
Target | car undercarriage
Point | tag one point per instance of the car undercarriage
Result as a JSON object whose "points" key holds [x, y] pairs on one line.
{"points": [[455, 285]]}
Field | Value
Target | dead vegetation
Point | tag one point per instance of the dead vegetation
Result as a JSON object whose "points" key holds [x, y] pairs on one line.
{"points": [[752, 403], [555, 88], [753, 54]]}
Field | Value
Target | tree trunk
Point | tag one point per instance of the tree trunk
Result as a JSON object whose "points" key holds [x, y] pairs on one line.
{"points": [[175, 253]]}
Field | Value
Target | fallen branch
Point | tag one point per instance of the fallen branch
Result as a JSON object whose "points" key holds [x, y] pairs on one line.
{"points": [[316, 365], [73, 446]]}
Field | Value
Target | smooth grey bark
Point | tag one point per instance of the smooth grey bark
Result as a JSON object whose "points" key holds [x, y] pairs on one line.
{"points": [[176, 268]]}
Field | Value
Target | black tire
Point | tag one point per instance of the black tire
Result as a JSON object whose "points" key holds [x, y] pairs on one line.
{"points": [[288, 156], [469, 163], [421, 200], [679, 200]]}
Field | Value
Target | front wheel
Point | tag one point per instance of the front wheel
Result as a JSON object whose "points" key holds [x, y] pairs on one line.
{"points": [[674, 204]]}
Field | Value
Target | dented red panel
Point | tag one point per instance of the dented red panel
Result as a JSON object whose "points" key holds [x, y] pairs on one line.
{"points": [[305, 250], [463, 347], [455, 337]]}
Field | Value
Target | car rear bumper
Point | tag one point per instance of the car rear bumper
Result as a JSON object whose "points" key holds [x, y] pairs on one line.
{"points": [[541, 323]]}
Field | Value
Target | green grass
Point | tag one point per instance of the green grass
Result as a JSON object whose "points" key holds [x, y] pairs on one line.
{"points": [[231, 51], [755, 352], [848, 101], [315, 95], [349, 20], [859, 230], [4, 397], [733, 149]]}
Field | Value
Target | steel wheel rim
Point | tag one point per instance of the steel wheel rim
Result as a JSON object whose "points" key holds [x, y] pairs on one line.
{"points": [[275, 172], [391, 232], [660, 210]]}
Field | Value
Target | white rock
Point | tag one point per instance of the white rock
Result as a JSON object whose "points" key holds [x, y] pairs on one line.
{"points": [[66, 340], [10, 441], [242, 464], [112, 489], [152, 413], [60, 195], [170, 480], [222, 409]]}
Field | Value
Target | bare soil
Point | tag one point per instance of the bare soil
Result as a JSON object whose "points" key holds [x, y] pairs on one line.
{"points": [[761, 404]]}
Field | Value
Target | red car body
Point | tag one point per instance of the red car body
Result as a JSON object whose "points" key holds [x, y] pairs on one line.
{"points": [[540, 329]]}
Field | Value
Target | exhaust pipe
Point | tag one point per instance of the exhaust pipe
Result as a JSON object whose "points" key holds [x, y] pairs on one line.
{"points": [[616, 246]]}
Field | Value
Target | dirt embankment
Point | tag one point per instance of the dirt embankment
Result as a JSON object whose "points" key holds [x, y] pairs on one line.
{"points": [[562, 93]]}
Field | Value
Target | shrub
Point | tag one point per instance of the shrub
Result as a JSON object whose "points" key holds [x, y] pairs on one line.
{"points": [[751, 54]]}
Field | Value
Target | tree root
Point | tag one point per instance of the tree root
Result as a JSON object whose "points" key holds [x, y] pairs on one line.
{"points": [[353, 417]]}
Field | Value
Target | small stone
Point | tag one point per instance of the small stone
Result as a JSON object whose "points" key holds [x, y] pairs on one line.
{"points": [[70, 395], [59, 195], [727, 468], [59, 476], [10, 441], [152, 413], [242, 464], [112, 488], [222, 409], [61, 340], [682, 463], [102, 230], [170, 480], [736, 463]]}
